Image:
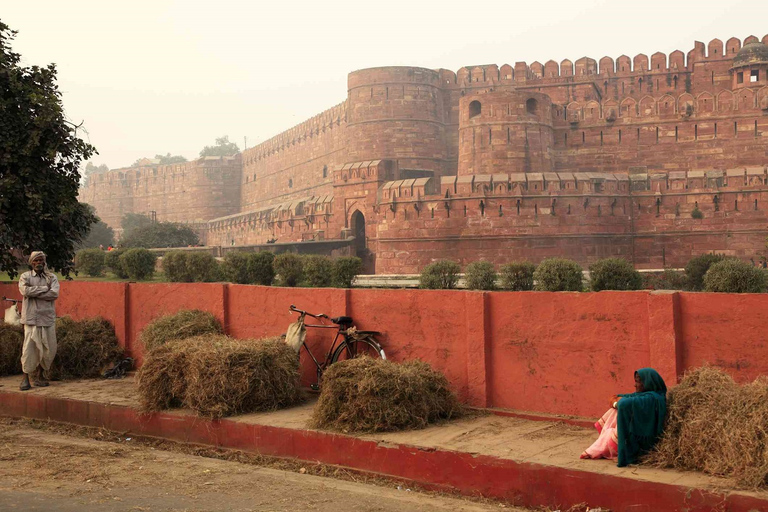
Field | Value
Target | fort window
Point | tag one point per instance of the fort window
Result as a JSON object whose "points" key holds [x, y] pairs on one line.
{"points": [[619, 136], [715, 130], [755, 128], [657, 134], [740, 78], [675, 81], [735, 127], [583, 137], [325, 171], [676, 134], [754, 75], [474, 109], [601, 137], [531, 106], [490, 137], [695, 132], [290, 183]]}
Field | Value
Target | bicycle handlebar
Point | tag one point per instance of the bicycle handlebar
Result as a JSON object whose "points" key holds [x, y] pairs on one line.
{"points": [[294, 309]]}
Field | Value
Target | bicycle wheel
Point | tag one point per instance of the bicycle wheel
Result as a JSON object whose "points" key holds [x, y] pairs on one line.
{"points": [[352, 348]]}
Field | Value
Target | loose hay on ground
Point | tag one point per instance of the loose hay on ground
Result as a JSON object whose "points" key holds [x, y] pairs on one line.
{"points": [[184, 324], [217, 376], [11, 341], [85, 348], [717, 426], [373, 395]]}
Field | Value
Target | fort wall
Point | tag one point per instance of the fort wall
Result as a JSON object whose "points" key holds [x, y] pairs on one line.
{"points": [[584, 159]]}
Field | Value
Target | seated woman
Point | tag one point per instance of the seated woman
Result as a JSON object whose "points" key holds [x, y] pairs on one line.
{"points": [[634, 422]]}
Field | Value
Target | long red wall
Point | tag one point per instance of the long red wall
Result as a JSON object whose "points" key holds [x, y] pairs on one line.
{"points": [[559, 353]]}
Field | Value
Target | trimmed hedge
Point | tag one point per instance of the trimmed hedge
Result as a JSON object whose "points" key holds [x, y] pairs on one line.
{"points": [[517, 276], [113, 263], [698, 266], [480, 275], [317, 270], [735, 276], [289, 267], [261, 268], [345, 270], [440, 275], [175, 267], [558, 275], [235, 268], [667, 280], [139, 264], [202, 267], [614, 274], [90, 261]]}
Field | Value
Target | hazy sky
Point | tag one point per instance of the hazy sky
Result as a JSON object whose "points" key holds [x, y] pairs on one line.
{"points": [[159, 76]]}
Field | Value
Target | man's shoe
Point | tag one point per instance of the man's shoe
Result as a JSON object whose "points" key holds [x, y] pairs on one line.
{"points": [[25, 385]]}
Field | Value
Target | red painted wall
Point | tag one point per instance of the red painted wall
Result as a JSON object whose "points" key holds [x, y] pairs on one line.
{"points": [[560, 353]]}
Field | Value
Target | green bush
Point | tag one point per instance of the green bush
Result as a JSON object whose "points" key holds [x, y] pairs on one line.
{"points": [[480, 275], [667, 280], [517, 276], [345, 270], [735, 276], [139, 264], [113, 263], [235, 268], [698, 266], [614, 274], [202, 267], [318, 270], [440, 275], [160, 234], [175, 267], [90, 261], [260, 267], [697, 214], [558, 275], [289, 267]]}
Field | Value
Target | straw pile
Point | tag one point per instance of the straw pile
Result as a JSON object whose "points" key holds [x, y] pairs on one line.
{"points": [[717, 426], [374, 395], [218, 376], [184, 324], [11, 340], [85, 348]]}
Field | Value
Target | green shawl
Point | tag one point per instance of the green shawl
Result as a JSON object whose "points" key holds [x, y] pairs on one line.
{"points": [[641, 417]]}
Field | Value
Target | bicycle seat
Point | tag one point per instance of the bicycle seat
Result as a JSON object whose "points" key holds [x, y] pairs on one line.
{"points": [[342, 320]]}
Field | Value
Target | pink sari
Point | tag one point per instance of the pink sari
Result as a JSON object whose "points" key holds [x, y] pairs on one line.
{"points": [[607, 444]]}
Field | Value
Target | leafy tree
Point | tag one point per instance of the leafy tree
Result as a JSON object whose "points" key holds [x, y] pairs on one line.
{"points": [[40, 158], [222, 148], [131, 221], [100, 234], [160, 234], [170, 159]]}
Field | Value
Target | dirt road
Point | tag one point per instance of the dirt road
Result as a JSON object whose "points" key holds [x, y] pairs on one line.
{"points": [[46, 468]]}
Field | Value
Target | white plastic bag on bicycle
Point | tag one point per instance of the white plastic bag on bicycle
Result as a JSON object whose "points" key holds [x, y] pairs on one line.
{"points": [[296, 334], [12, 316]]}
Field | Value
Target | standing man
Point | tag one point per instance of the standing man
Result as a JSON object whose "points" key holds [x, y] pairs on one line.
{"points": [[40, 289]]}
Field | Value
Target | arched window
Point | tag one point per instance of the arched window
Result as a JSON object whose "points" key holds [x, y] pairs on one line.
{"points": [[474, 109], [531, 106]]}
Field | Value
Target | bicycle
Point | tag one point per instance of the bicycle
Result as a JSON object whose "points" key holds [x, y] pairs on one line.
{"points": [[354, 343]]}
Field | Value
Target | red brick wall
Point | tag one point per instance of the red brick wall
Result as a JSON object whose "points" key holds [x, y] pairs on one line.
{"points": [[561, 353]]}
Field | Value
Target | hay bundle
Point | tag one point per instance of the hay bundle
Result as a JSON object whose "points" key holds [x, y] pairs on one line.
{"points": [[11, 341], [717, 426], [373, 395], [85, 348], [217, 376], [184, 324]]}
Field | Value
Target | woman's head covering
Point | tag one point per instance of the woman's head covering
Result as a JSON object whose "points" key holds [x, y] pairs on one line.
{"points": [[651, 380], [641, 417]]}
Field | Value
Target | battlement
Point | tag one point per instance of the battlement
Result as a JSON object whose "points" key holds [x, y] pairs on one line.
{"points": [[326, 120], [588, 69]]}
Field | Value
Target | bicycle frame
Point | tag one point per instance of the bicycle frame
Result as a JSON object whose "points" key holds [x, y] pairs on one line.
{"points": [[340, 332]]}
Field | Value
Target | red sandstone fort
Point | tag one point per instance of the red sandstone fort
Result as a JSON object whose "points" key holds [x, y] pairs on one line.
{"points": [[653, 160]]}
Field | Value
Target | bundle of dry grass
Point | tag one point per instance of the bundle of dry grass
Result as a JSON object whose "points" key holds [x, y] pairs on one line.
{"points": [[11, 341], [184, 324], [85, 348], [373, 395], [717, 426], [218, 376]]}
